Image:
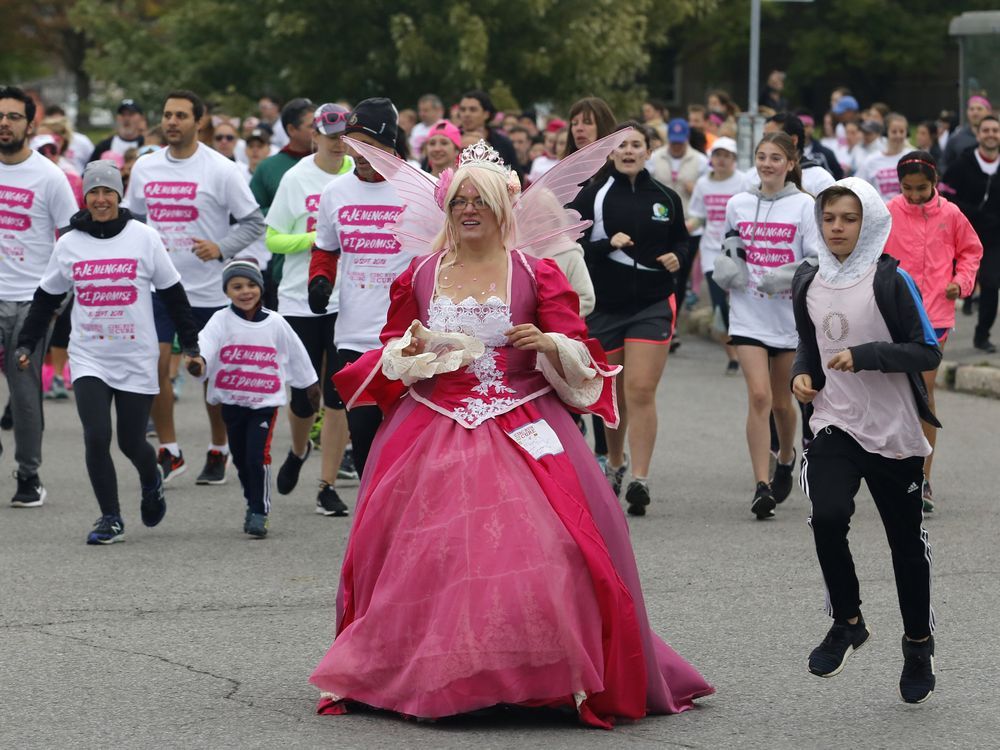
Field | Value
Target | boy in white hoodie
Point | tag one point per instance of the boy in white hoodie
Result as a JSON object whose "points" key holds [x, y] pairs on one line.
{"points": [[864, 340]]}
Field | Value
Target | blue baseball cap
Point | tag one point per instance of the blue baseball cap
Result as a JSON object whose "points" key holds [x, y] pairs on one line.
{"points": [[678, 130], [845, 104]]}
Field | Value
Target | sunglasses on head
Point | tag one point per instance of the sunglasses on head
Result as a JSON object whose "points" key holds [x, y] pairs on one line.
{"points": [[225, 137], [330, 118]]}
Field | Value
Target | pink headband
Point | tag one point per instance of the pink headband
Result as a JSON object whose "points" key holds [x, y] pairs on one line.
{"points": [[448, 130], [982, 100], [807, 120]]}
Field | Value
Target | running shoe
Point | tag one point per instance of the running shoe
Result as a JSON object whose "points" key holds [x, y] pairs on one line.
{"points": [[675, 344], [328, 502], [690, 300], [215, 468], [255, 524], [916, 684], [30, 492], [57, 390], [150, 428], [781, 482], [928, 497], [107, 530], [602, 461], [347, 471], [985, 345], [829, 657], [616, 476], [288, 474], [153, 505], [7, 420], [637, 497], [732, 367], [763, 503], [170, 465]]}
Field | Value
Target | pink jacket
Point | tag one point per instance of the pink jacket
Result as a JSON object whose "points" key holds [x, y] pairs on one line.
{"points": [[936, 245]]}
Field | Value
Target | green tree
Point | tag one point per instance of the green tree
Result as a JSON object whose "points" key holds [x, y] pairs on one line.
{"points": [[521, 50]]}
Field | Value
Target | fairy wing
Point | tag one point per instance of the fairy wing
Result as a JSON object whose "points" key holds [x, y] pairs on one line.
{"points": [[421, 218], [544, 226]]}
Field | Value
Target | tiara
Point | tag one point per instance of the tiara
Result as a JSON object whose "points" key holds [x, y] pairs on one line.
{"points": [[482, 154]]}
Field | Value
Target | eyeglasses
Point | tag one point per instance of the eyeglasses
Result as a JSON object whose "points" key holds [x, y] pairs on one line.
{"points": [[460, 204], [12, 116], [225, 137]]}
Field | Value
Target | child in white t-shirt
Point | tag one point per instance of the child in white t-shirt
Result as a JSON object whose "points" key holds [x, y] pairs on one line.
{"points": [[249, 355]]}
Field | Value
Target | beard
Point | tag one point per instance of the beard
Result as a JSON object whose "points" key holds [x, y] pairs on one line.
{"points": [[13, 147]]}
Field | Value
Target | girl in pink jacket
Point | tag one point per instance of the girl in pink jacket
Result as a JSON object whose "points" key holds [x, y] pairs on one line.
{"points": [[936, 245]]}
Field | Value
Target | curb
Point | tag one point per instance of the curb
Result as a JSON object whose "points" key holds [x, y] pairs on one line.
{"points": [[977, 380]]}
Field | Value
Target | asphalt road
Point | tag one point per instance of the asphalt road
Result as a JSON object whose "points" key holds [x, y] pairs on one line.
{"points": [[191, 635]]}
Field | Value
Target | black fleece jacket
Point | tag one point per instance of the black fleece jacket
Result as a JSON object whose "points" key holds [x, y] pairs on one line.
{"points": [[913, 349], [44, 305], [652, 215]]}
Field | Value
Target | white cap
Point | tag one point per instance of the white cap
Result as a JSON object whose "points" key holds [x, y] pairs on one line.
{"points": [[723, 144]]}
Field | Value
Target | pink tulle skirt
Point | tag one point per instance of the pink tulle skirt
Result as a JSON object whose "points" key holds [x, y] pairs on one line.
{"points": [[475, 576]]}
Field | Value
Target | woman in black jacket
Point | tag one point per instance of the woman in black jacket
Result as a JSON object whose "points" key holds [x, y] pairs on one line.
{"points": [[637, 242]]}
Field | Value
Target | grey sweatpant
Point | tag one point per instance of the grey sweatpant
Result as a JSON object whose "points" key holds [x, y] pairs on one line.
{"points": [[25, 388]]}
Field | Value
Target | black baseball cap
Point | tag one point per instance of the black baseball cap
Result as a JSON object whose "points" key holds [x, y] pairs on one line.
{"points": [[129, 105]]}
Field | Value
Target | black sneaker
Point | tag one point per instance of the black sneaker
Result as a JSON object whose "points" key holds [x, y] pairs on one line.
{"points": [[215, 468], [637, 497], [927, 496], [107, 530], [781, 482], [916, 684], [985, 345], [732, 367], [829, 657], [170, 465], [763, 503], [153, 505], [288, 474], [7, 420], [30, 493], [347, 470], [328, 502], [255, 524]]}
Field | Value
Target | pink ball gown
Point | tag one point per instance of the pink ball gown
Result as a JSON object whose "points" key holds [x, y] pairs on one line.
{"points": [[489, 562]]}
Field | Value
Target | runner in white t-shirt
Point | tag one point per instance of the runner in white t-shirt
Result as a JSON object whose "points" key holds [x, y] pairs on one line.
{"points": [[291, 232], [355, 213], [35, 200], [879, 169], [111, 262], [188, 192], [768, 227], [707, 211]]}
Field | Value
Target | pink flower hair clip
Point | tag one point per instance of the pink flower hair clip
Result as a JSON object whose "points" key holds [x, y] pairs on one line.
{"points": [[513, 184]]}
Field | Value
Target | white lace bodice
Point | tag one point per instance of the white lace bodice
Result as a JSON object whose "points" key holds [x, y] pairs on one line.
{"points": [[487, 321]]}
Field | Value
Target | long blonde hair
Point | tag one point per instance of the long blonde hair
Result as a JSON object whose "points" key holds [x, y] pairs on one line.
{"points": [[492, 187]]}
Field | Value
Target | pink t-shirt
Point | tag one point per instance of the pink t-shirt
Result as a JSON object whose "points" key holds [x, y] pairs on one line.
{"points": [[875, 408]]}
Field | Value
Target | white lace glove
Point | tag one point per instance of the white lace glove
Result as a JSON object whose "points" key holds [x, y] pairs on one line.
{"points": [[730, 270], [443, 352]]}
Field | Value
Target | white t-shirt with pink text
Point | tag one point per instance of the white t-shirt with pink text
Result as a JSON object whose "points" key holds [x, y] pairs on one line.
{"points": [[251, 362], [187, 200], [113, 336], [774, 233], [356, 217], [708, 202], [35, 201], [880, 171], [294, 211]]}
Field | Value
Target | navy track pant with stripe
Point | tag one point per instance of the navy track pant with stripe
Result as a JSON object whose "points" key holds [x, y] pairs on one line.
{"points": [[250, 432]]}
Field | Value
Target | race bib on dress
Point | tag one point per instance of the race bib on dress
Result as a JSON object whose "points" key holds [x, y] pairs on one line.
{"points": [[538, 439]]}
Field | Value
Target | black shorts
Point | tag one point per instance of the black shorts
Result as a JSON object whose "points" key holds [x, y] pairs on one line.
{"points": [[316, 334], [772, 351], [649, 325], [165, 329]]}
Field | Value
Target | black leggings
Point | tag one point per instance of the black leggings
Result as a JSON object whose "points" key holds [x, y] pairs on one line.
{"points": [[93, 402]]}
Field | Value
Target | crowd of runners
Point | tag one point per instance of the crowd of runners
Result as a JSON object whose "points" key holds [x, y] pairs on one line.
{"points": [[248, 262]]}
